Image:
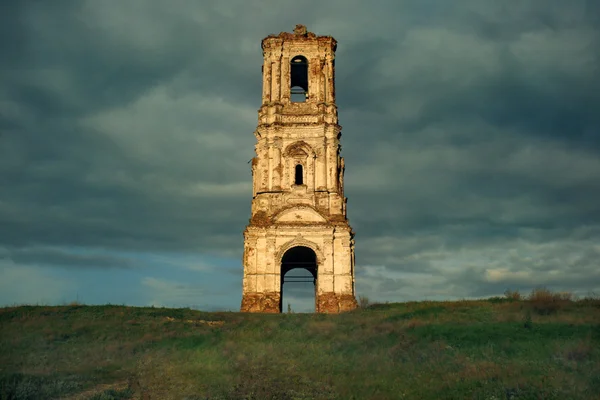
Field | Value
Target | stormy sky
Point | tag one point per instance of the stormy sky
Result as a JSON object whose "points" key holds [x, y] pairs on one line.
{"points": [[471, 134]]}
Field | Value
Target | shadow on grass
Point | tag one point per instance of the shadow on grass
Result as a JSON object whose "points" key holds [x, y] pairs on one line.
{"points": [[18, 386], [112, 394]]}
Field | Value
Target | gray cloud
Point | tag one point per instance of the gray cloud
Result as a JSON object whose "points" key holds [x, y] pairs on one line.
{"points": [[61, 258], [468, 129]]}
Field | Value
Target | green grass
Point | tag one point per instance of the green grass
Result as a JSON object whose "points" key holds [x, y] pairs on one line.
{"points": [[495, 349]]}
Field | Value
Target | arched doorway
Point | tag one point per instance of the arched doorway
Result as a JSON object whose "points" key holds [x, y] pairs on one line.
{"points": [[299, 275]]}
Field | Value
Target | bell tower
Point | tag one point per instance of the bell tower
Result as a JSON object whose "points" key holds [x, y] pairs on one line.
{"points": [[298, 205]]}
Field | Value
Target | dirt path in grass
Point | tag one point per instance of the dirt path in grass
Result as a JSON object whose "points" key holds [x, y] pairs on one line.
{"points": [[85, 395]]}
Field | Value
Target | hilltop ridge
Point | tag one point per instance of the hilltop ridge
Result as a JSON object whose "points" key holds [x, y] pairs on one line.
{"points": [[496, 348]]}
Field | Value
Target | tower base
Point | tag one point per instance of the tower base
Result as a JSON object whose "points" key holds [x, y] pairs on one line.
{"points": [[335, 303], [261, 302], [328, 303]]}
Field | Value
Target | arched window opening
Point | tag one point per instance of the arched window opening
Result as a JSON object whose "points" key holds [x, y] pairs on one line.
{"points": [[299, 79], [299, 272], [298, 176]]}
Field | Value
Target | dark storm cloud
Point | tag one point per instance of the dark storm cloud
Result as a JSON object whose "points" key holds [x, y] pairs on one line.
{"points": [[61, 258], [468, 128], [72, 185]]}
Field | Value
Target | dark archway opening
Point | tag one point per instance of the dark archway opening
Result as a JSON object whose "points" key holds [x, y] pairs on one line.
{"points": [[298, 179], [298, 79], [299, 276]]}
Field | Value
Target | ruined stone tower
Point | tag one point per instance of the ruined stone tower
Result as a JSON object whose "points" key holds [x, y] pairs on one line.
{"points": [[298, 205]]}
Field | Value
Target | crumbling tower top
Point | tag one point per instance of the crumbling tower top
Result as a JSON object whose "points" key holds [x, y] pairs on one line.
{"points": [[300, 33], [298, 76]]}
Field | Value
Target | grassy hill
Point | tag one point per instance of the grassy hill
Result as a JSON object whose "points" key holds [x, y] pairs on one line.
{"points": [[543, 347]]}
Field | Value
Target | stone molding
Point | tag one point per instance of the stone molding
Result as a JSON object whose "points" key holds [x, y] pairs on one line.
{"points": [[300, 241]]}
